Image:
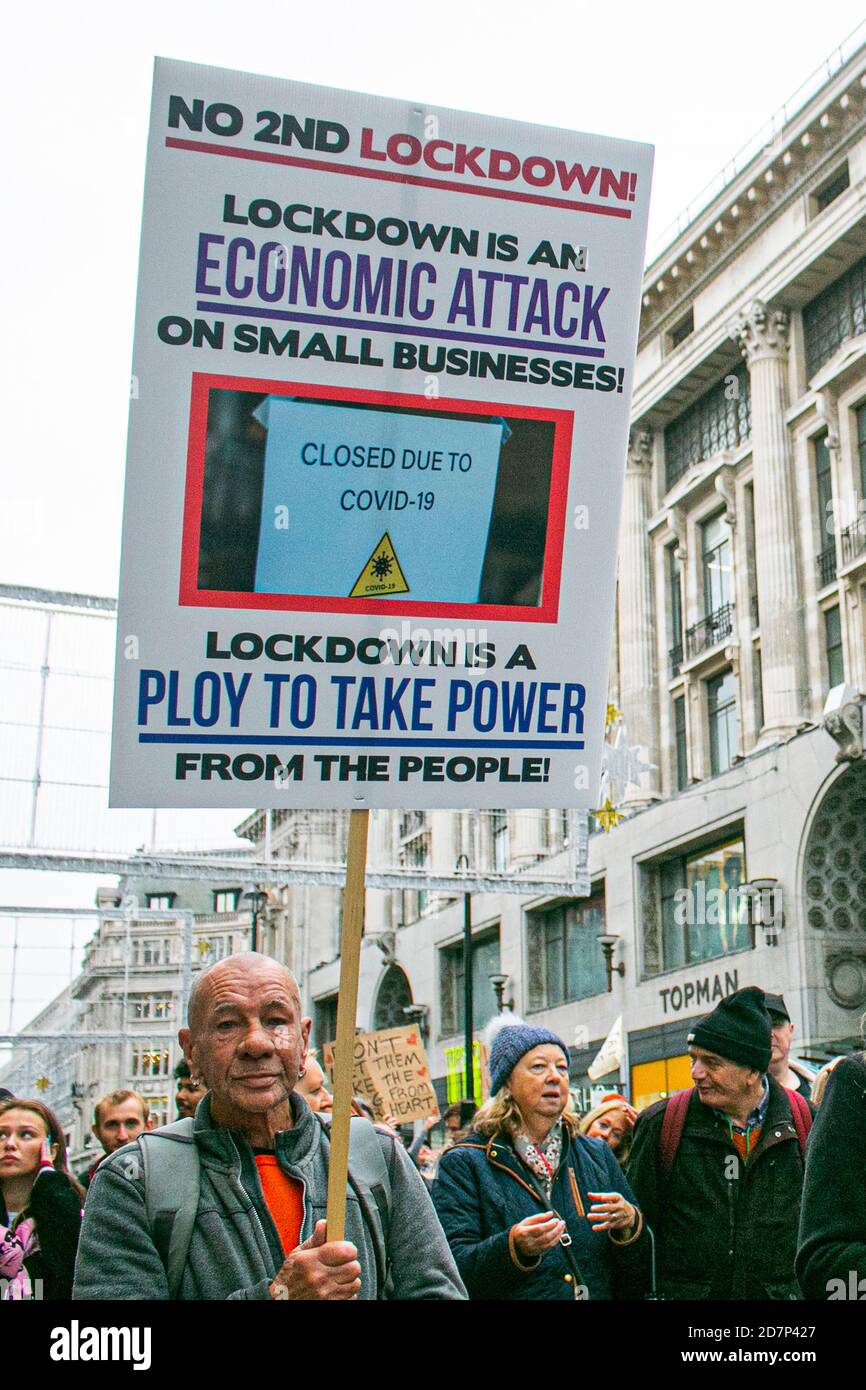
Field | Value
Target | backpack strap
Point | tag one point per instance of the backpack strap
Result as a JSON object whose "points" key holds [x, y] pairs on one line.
{"points": [[172, 1180], [802, 1117], [673, 1124]]}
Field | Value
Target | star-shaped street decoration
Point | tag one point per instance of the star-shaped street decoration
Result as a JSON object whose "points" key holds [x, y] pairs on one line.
{"points": [[611, 715], [203, 946], [42, 1083], [608, 816], [621, 766]]}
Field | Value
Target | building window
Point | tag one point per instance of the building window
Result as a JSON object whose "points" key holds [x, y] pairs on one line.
{"points": [[499, 840], [836, 314], [564, 959], [157, 1109], [720, 419], [325, 1019], [861, 446], [833, 646], [826, 559], [392, 997], [722, 709], [681, 743], [213, 948], [717, 562], [151, 951], [226, 899], [414, 854], [758, 688], [831, 190], [149, 1061], [154, 1006], [485, 962], [718, 584], [751, 552], [703, 914], [675, 597], [682, 330], [160, 902]]}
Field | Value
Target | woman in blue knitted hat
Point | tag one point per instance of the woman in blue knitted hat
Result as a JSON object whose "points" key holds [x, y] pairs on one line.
{"points": [[532, 1209]]}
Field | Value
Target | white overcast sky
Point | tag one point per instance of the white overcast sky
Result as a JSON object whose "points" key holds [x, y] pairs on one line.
{"points": [[696, 81]]}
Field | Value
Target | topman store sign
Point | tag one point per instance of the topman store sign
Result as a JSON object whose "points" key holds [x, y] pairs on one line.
{"points": [[695, 993]]}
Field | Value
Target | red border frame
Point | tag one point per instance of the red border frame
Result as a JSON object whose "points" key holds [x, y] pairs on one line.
{"points": [[191, 596]]}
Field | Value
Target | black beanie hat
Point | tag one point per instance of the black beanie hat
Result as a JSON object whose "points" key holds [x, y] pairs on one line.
{"points": [[738, 1029]]}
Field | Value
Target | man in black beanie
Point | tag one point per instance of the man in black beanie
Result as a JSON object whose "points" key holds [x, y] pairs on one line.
{"points": [[718, 1169]]}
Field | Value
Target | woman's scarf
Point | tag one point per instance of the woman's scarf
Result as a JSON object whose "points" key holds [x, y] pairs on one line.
{"points": [[17, 1244], [542, 1158]]}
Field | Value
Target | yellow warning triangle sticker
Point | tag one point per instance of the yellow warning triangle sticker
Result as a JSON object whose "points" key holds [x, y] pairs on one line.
{"points": [[381, 574]]}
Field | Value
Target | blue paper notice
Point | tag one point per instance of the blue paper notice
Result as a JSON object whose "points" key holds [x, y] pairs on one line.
{"points": [[374, 503]]}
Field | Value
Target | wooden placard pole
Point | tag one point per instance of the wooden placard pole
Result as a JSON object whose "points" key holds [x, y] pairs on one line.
{"points": [[347, 1007]]}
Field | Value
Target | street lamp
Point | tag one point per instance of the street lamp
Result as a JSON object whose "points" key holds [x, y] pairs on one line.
{"points": [[499, 982], [763, 900], [418, 1014], [607, 942], [462, 865], [257, 898]]}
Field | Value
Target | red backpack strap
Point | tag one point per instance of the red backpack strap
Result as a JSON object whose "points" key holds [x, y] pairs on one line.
{"points": [[802, 1117], [673, 1125]]}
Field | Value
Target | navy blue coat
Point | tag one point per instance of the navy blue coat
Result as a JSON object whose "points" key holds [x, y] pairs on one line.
{"points": [[483, 1189]]}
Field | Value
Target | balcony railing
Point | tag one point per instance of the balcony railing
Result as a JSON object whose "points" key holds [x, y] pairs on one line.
{"points": [[853, 541], [710, 630], [675, 657], [826, 563]]}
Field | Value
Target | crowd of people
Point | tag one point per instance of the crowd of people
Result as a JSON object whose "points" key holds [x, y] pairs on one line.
{"points": [[747, 1186]]}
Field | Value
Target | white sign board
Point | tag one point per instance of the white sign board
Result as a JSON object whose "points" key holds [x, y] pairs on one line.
{"points": [[379, 418]]}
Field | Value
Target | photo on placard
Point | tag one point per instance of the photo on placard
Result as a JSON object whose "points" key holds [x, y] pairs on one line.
{"points": [[301, 496]]}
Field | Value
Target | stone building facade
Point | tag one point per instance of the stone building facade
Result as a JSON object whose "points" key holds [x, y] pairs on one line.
{"points": [[115, 1026], [741, 602]]}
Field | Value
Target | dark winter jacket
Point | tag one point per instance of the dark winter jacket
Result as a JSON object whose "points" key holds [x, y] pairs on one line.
{"points": [[55, 1207], [724, 1229], [483, 1189], [832, 1243]]}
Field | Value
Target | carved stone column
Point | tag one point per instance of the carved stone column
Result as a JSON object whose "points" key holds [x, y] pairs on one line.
{"points": [[762, 334], [638, 665]]}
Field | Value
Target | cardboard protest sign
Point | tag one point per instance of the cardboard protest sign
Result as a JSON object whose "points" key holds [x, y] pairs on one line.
{"points": [[383, 362], [391, 1071]]}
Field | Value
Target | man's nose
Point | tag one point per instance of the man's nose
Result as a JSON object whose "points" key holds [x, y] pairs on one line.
{"points": [[257, 1040], [698, 1072]]}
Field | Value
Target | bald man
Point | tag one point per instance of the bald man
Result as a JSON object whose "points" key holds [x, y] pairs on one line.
{"points": [[262, 1159]]}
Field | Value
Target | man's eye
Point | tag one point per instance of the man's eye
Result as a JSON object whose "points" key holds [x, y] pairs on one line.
{"points": [[225, 1026]]}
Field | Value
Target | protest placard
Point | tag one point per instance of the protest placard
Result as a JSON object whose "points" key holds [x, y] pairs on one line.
{"points": [[391, 1071], [383, 362]]}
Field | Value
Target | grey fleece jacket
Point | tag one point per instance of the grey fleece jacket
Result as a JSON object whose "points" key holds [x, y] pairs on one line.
{"points": [[235, 1249]]}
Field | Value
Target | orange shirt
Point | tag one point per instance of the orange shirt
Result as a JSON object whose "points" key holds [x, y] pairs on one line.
{"points": [[745, 1144], [284, 1198]]}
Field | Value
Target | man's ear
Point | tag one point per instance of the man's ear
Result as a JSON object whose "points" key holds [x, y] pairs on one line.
{"points": [[94, 1130], [185, 1039], [306, 1025]]}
